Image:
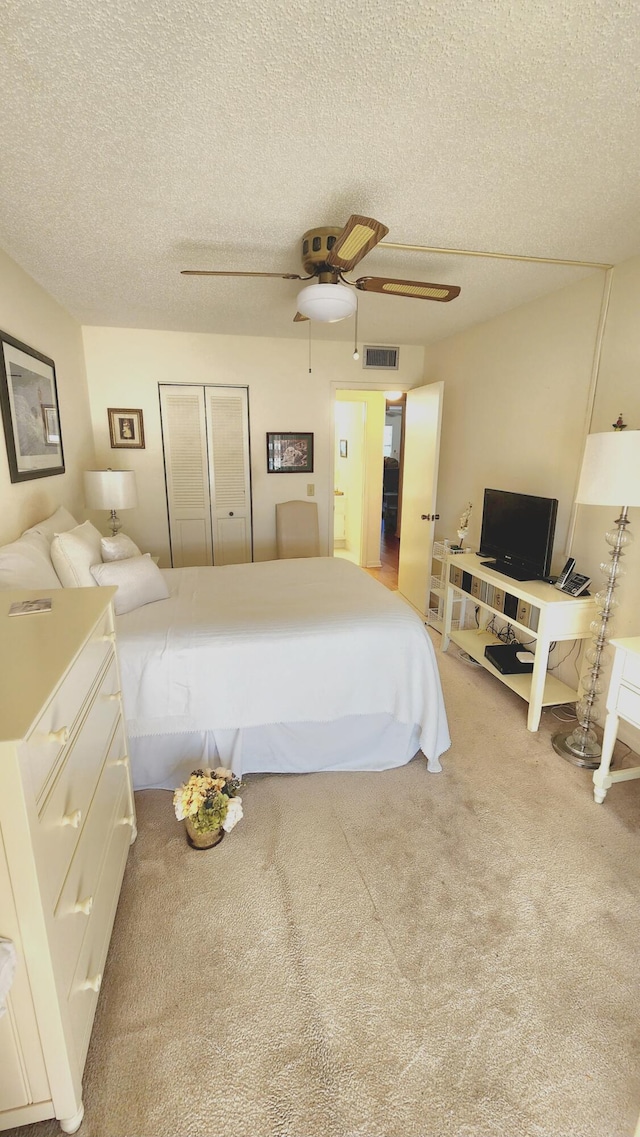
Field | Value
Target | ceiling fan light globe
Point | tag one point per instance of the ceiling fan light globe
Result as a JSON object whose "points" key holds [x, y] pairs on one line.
{"points": [[327, 303]]}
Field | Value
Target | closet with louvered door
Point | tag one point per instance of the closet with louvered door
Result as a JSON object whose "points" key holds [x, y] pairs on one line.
{"points": [[205, 432]]}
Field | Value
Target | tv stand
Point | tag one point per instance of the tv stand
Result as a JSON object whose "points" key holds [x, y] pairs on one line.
{"points": [[512, 571], [536, 610]]}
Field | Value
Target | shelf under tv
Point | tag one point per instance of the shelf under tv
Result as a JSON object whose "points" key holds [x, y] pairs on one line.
{"points": [[544, 616]]}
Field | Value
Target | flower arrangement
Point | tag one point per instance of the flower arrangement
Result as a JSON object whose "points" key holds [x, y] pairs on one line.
{"points": [[208, 800], [463, 524]]}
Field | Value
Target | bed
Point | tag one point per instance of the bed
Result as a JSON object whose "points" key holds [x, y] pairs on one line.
{"points": [[283, 666]]}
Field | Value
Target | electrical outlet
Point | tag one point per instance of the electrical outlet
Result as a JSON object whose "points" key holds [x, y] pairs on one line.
{"points": [[311, 490]]}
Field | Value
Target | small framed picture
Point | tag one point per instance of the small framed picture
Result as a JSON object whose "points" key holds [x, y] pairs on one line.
{"points": [[126, 429], [289, 453], [344, 448], [30, 415]]}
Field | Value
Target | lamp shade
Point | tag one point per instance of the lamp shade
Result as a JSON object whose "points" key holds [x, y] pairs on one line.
{"points": [[327, 302], [110, 489], [610, 472]]}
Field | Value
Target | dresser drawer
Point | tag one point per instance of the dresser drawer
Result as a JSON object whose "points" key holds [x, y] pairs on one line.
{"points": [[631, 670], [41, 751], [628, 704], [64, 811], [87, 978], [77, 898]]}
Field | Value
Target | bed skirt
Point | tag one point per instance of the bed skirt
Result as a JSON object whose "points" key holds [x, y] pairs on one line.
{"points": [[357, 742]]}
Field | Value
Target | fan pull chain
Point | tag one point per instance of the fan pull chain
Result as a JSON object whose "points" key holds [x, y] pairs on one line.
{"points": [[309, 346], [356, 353]]}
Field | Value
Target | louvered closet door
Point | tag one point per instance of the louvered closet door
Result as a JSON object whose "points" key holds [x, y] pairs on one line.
{"points": [[229, 473], [184, 437], [205, 433]]}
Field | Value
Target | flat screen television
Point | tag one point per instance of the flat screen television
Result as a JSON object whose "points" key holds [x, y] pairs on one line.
{"points": [[517, 532]]}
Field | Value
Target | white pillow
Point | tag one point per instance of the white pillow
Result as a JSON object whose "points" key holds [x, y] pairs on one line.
{"points": [[138, 580], [59, 522], [73, 553], [118, 548], [26, 563]]}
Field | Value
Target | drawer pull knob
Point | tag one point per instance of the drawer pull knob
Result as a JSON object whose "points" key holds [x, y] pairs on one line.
{"points": [[128, 820], [119, 761], [72, 819], [93, 984], [84, 906], [61, 735], [109, 637], [115, 698]]}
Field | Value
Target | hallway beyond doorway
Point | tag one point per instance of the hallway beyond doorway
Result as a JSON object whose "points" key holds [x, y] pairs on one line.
{"points": [[387, 574]]}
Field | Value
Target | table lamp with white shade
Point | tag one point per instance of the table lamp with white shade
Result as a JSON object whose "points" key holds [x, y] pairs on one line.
{"points": [[112, 490], [610, 475]]}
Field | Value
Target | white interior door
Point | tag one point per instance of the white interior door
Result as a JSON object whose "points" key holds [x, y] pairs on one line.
{"points": [[229, 474], [423, 420], [205, 432], [184, 437]]}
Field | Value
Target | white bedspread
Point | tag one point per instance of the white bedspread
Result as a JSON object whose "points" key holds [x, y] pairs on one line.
{"points": [[291, 641]]}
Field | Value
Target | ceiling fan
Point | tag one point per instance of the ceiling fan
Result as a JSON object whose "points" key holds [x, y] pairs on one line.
{"points": [[327, 254]]}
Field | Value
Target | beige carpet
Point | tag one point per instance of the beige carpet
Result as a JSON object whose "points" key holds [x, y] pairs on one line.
{"points": [[383, 955]]}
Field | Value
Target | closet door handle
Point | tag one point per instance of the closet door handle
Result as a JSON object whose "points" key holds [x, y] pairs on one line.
{"points": [[230, 513]]}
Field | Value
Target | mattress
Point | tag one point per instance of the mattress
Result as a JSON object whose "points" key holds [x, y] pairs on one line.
{"points": [[278, 643]]}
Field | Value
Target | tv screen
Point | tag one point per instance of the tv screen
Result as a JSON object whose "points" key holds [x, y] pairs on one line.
{"points": [[518, 530]]}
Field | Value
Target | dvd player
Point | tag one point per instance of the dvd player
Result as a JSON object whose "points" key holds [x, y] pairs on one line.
{"points": [[503, 657]]}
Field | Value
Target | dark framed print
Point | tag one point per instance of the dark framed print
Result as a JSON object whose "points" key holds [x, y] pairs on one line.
{"points": [[30, 413], [126, 428], [289, 453], [344, 448]]}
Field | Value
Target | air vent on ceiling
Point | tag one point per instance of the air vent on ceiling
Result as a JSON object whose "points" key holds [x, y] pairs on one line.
{"points": [[382, 358]]}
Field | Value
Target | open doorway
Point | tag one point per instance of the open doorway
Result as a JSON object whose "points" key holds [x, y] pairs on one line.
{"points": [[393, 453], [368, 449], [416, 495]]}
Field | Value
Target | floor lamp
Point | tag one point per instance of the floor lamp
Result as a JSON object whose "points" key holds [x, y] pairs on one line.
{"points": [[112, 490], [610, 474]]}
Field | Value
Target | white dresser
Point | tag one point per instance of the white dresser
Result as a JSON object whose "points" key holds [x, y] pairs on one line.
{"points": [[66, 823], [623, 702]]}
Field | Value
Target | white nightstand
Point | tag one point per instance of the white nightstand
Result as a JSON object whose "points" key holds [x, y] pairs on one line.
{"points": [[623, 702]]}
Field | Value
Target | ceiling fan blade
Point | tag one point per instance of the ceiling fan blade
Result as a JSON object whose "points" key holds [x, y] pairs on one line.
{"points": [[358, 237], [416, 288], [208, 272], [298, 318]]}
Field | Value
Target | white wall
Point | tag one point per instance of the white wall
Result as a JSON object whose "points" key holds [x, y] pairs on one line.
{"points": [[516, 408], [349, 471], [515, 398], [124, 368], [371, 464], [31, 315], [618, 390]]}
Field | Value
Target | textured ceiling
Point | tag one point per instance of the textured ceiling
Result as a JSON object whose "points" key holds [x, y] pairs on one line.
{"points": [[139, 138]]}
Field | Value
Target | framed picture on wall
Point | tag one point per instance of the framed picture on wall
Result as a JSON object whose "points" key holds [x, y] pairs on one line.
{"points": [[289, 453], [126, 429], [30, 414]]}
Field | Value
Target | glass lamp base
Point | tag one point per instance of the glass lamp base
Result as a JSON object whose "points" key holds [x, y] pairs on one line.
{"points": [[582, 753]]}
